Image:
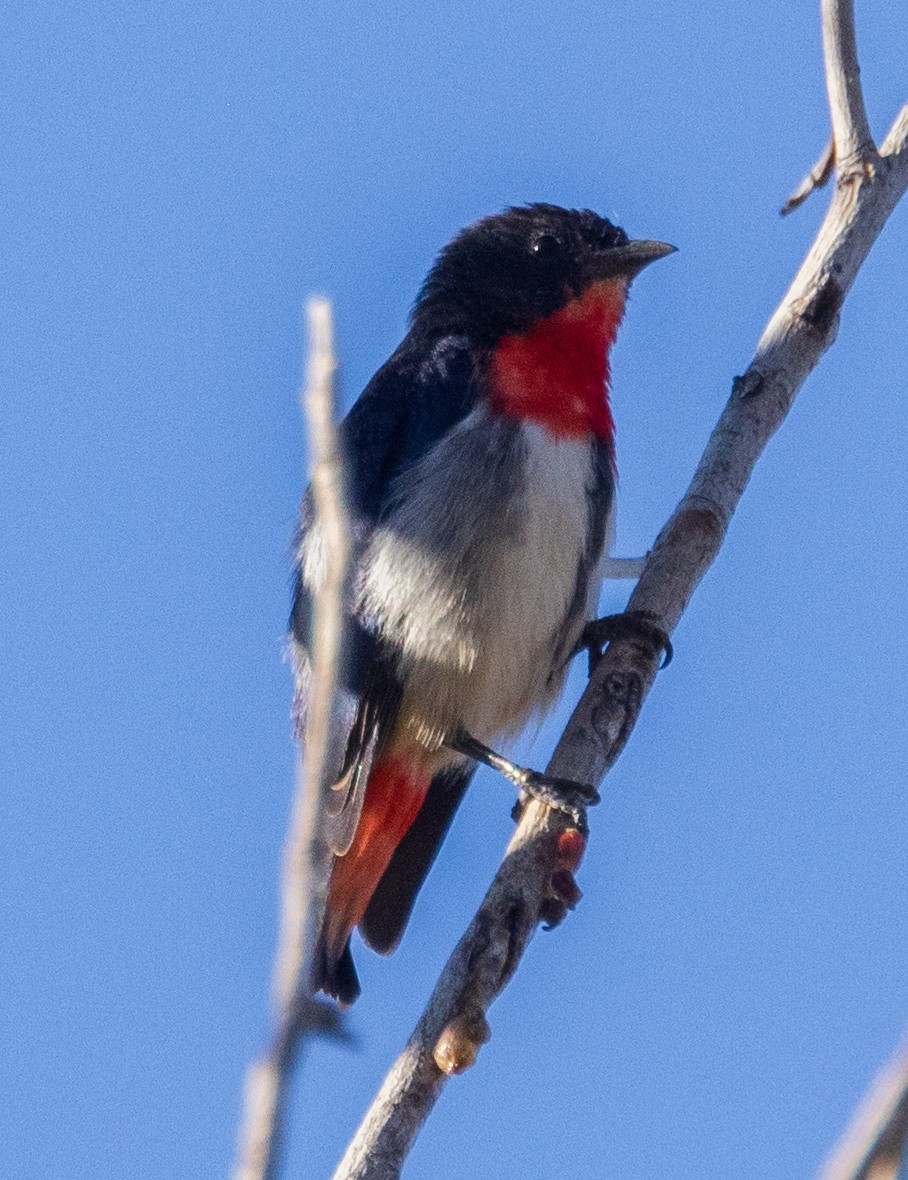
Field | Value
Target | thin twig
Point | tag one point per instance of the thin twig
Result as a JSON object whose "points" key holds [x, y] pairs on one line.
{"points": [[818, 175], [800, 330], [873, 1144], [297, 1015], [896, 142], [854, 145]]}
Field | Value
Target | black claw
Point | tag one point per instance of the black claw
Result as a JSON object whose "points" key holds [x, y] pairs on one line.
{"points": [[560, 793], [571, 807], [633, 624]]}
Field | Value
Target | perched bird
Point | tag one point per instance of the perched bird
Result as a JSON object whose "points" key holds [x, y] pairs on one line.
{"points": [[480, 466]]}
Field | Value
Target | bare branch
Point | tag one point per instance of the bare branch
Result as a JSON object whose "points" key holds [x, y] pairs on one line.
{"points": [[854, 145], [318, 405], [297, 1014], [815, 178], [873, 1145], [800, 330]]}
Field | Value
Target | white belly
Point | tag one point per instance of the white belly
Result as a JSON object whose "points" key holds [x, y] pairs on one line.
{"points": [[531, 587], [472, 581]]}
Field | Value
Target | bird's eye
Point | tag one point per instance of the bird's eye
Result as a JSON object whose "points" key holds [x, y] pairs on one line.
{"points": [[546, 246]]}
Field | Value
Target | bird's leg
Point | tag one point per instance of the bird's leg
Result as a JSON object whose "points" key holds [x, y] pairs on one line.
{"points": [[633, 624], [619, 568], [561, 793]]}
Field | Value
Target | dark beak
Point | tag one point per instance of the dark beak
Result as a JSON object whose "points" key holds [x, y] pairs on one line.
{"points": [[628, 259]]}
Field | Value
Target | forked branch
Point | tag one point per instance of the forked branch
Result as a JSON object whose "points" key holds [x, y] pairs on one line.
{"points": [[851, 145]]}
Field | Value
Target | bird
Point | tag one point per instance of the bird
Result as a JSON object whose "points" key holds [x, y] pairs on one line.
{"points": [[480, 482]]}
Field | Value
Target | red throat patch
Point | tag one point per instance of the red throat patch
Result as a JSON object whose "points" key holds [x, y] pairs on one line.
{"points": [[557, 373]]}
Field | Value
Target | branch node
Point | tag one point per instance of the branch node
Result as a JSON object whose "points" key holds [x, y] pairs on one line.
{"points": [[822, 311], [857, 166], [571, 847], [700, 521], [749, 385], [615, 712], [458, 1046]]}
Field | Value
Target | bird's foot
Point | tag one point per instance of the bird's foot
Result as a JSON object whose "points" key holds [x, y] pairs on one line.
{"points": [[561, 793], [632, 624]]}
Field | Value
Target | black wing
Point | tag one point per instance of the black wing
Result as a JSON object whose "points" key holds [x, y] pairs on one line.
{"points": [[408, 406], [392, 902]]}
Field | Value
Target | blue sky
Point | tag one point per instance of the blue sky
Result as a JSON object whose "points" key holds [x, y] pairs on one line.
{"points": [[178, 178]]}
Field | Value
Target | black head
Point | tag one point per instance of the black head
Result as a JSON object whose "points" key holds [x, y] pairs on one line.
{"points": [[503, 273]]}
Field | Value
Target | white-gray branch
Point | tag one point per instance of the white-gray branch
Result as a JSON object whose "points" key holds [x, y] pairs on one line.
{"points": [[297, 1015]]}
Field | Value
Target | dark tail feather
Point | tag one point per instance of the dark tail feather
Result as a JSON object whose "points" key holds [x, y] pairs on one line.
{"points": [[389, 909], [337, 978]]}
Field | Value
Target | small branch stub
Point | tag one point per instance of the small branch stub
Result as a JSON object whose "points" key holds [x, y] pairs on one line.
{"points": [[816, 178], [461, 1039]]}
